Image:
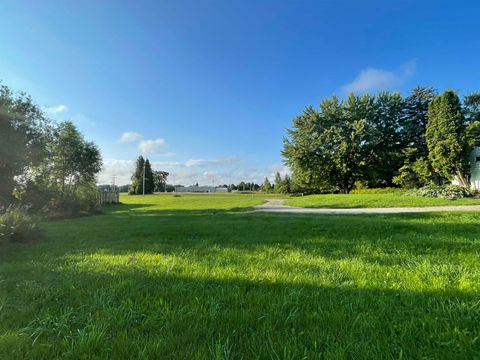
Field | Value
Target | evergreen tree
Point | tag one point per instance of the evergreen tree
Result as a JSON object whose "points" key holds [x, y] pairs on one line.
{"points": [[149, 178], [415, 119], [137, 177], [278, 187], [287, 184], [445, 137]]}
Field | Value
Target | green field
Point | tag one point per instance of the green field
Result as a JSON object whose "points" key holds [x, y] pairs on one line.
{"points": [[205, 277], [343, 201]]}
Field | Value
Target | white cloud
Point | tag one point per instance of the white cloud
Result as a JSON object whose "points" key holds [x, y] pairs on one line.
{"points": [[280, 168], [150, 146], [210, 172], [373, 79], [217, 162], [56, 109], [120, 169], [130, 136], [167, 154]]}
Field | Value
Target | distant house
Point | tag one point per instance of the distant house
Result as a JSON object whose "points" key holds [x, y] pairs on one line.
{"points": [[474, 170], [200, 189]]}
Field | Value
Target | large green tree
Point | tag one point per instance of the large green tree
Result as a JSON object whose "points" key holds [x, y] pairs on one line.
{"points": [[415, 119], [160, 180], [149, 178], [73, 160], [415, 170], [330, 149], [471, 106], [383, 144], [446, 140], [137, 178], [24, 135], [12, 156], [142, 168]]}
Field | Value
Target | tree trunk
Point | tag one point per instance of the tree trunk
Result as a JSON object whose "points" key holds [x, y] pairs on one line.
{"points": [[462, 179]]}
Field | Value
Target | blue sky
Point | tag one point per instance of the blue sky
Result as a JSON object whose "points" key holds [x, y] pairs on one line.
{"points": [[206, 89]]}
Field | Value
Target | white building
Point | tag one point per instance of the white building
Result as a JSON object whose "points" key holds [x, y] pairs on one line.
{"points": [[474, 170], [201, 189]]}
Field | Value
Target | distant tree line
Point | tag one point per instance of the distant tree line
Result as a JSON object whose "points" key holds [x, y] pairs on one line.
{"points": [[383, 140]]}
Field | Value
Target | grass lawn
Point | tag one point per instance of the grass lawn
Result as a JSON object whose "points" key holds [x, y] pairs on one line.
{"points": [[204, 277], [340, 201]]}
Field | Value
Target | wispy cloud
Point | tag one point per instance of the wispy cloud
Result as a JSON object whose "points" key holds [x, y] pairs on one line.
{"points": [[216, 162], [150, 146], [56, 109], [373, 79], [212, 172], [130, 136]]}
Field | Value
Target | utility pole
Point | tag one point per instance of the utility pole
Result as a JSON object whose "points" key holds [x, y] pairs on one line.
{"points": [[143, 178]]}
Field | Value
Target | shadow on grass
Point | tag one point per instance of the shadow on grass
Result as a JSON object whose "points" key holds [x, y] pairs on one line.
{"points": [[157, 312], [174, 316], [133, 227]]}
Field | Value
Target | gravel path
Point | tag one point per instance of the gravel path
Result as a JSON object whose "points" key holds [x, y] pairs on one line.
{"points": [[275, 205]]}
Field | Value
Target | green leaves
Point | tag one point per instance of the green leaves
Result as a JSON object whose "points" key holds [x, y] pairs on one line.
{"points": [[345, 141], [445, 137]]}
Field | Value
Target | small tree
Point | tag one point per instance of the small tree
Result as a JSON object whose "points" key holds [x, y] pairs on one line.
{"points": [[446, 140], [267, 186], [287, 184], [160, 180], [278, 187], [74, 160], [415, 172]]}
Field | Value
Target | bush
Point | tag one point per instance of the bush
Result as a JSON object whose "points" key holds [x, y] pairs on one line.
{"points": [[386, 190], [451, 192], [76, 201], [414, 174], [17, 226]]}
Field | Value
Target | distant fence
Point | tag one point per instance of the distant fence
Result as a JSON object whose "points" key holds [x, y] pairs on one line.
{"points": [[108, 197]]}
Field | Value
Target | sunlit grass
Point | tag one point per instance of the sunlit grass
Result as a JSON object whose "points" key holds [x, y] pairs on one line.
{"points": [[204, 277], [373, 201]]}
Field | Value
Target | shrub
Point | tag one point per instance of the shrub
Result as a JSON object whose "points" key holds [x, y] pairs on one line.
{"points": [[414, 174], [17, 226], [451, 192], [386, 190], [75, 201]]}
